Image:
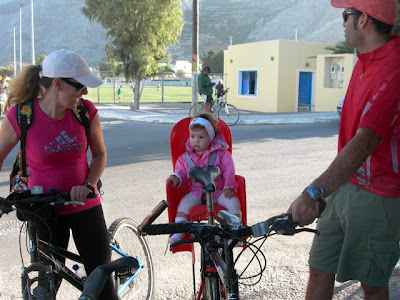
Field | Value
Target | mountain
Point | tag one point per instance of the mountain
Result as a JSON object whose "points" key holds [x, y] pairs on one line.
{"points": [[60, 24]]}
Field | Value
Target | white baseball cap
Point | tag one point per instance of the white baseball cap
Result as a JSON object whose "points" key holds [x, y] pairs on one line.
{"points": [[67, 64]]}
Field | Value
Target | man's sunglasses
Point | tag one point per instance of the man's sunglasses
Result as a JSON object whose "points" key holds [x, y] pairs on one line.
{"points": [[79, 87], [346, 14]]}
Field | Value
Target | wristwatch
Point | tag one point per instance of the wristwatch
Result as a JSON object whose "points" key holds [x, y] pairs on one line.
{"points": [[316, 193], [90, 186]]}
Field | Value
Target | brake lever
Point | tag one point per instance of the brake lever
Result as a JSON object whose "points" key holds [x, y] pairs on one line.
{"points": [[181, 242]]}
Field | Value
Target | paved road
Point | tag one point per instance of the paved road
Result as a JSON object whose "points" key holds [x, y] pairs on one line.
{"points": [[277, 162]]}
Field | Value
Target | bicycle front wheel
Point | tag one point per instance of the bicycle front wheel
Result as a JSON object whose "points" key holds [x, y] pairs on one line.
{"points": [[229, 114], [211, 289], [196, 109], [125, 240]]}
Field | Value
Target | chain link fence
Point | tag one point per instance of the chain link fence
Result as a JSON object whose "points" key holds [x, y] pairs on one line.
{"points": [[166, 87]]}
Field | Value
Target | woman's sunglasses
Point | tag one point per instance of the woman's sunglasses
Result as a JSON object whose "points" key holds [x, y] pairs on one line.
{"points": [[346, 14], [79, 87]]}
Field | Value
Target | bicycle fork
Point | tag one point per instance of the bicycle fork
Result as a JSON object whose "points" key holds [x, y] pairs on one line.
{"points": [[215, 265], [26, 282]]}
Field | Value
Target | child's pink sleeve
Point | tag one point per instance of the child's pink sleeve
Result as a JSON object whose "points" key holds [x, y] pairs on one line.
{"points": [[227, 169], [181, 169]]}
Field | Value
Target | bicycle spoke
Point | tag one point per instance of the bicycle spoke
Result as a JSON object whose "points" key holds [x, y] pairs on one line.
{"points": [[229, 114], [125, 238]]}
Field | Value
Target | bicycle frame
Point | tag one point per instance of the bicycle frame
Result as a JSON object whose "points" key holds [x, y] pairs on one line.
{"points": [[122, 288], [47, 250], [212, 262]]}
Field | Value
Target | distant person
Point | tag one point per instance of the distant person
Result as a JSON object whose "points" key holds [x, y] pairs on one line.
{"points": [[158, 86], [119, 94], [219, 89], [360, 226], [205, 87]]}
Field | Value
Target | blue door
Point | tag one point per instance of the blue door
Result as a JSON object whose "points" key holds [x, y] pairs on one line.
{"points": [[305, 85], [246, 83]]}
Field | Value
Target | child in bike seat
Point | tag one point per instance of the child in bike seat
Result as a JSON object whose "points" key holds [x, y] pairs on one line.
{"points": [[206, 146]]}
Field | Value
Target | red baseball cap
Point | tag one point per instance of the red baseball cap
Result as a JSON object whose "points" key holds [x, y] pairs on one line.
{"points": [[381, 10]]}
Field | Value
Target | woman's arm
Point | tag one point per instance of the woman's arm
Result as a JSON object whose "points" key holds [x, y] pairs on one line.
{"points": [[97, 164], [98, 149], [8, 139]]}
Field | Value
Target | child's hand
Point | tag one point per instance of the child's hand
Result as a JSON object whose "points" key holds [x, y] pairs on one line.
{"points": [[229, 193], [175, 180]]}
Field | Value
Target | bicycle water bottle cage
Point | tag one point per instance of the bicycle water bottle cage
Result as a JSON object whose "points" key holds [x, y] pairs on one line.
{"points": [[205, 176]]}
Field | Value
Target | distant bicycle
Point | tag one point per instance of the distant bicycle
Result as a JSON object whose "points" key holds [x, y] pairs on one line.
{"points": [[226, 112]]}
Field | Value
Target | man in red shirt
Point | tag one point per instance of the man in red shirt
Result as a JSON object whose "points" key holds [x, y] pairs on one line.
{"points": [[360, 227]]}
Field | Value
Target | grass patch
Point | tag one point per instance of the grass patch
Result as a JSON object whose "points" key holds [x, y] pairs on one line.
{"points": [[105, 94]]}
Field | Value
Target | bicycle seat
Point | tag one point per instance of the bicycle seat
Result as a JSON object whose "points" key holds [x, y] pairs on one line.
{"points": [[205, 176]]}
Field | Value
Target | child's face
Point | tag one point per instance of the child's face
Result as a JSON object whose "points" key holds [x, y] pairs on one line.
{"points": [[199, 140]]}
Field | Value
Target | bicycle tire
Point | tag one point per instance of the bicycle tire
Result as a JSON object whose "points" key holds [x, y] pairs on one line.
{"points": [[196, 109], [229, 114], [124, 235], [211, 289]]}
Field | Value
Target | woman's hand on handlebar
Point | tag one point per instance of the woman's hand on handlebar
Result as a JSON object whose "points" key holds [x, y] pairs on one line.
{"points": [[80, 193], [304, 210]]}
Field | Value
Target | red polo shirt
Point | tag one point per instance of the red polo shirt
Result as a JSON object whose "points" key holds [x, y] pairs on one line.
{"points": [[372, 101]]}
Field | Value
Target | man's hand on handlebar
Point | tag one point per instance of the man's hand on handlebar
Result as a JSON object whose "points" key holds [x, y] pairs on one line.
{"points": [[304, 210]]}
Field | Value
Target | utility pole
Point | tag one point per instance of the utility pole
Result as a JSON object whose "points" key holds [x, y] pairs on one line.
{"points": [[15, 56], [195, 50], [20, 38], [33, 35]]}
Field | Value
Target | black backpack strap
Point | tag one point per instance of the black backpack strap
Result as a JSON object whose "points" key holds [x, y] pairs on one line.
{"points": [[81, 113], [24, 119]]}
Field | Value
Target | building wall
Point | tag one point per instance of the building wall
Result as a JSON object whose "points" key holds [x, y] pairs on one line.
{"points": [[277, 64], [331, 85], [254, 57]]}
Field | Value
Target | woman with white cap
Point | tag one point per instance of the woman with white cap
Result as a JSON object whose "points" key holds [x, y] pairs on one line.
{"points": [[56, 145]]}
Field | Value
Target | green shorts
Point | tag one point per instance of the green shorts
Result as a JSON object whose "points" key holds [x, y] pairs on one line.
{"points": [[359, 237]]}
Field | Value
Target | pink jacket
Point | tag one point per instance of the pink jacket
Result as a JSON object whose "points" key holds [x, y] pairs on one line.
{"points": [[223, 160]]}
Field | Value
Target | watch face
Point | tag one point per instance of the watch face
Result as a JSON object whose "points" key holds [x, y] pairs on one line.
{"points": [[315, 192]]}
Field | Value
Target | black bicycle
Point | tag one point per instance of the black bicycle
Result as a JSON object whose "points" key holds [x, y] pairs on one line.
{"points": [[219, 278], [135, 279]]}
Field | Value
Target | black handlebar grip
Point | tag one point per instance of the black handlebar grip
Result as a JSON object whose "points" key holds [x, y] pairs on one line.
{"points": [[152, 216], [170, 228]]}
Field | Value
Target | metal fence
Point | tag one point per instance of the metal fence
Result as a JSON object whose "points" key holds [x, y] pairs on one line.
{"points": [[163, 88]]}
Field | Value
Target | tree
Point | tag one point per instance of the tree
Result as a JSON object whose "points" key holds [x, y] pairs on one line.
{"points": [[110, 64], [140, 32], [340, 48], [39, 60], [214, 60], [6, 71], [181, 74]]}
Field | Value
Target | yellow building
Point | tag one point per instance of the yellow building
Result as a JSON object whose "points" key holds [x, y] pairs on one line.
{"points": [[333, 77], [282, 76]]}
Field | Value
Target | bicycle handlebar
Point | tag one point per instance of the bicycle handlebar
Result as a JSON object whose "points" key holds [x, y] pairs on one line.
{"points": [[281, 224], [152, 216], [36, 196], [95, 282]]}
